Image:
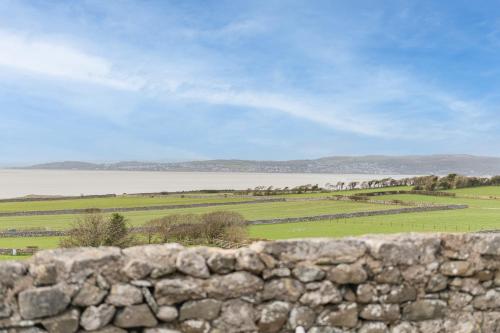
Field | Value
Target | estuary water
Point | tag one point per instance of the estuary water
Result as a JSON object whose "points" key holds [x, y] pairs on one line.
{"points": [[17, 183]]}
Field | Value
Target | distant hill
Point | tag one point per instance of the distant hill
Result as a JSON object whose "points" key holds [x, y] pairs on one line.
{"points": [[403, 165]]}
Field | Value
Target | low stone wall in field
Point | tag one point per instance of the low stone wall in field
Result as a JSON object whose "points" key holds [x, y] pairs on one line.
{"points": [[422, 283]]}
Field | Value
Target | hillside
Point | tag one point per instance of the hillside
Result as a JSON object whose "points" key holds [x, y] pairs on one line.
{"points": [[411, 165]]}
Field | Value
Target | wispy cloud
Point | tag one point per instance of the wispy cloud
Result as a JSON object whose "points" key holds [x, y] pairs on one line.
{"points": [[36, 55]]}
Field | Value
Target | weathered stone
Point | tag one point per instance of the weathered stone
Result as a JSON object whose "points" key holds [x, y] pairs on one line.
{"points": [[323, 251], [191, 263], [404, 328], [108, 329], [233, 285], [222, 262], [276, 272], [424, 310], [171, 291], [137, 269], [324, 329], [161, 330], [77, 263], [308, 273], [161, 257], [347, 274], [406, 250], [167, 313], [236, 316], [346, 315], [488, 301], [456, 268], [325, 293], [89, 295], [437, 283], [381, 312], [97, 317], [472, 286], [135, 316], [149, 299], [301, 316], [373, 328], [458, 301], [273, 316], [44, 275], [366, 293], [64, 323], [249, 260], [285, 289], [390, 275], [124, 294], [11, 271], [42, 302], [207, 309], [195, 326], [401, 294]]}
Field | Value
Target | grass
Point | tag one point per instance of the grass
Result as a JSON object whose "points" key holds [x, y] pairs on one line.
{"points": [[113, 202], [18, 242], [442, 221], [249, 211], [482, 191]]}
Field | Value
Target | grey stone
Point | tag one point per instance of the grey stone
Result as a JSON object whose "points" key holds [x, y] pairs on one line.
{"points": [[301, 316], [233, 285], [400, 294], [366, 293], [171, 291], [137, 269], [374, 328], [284, 289], [437, 283], [42, 302], [236, 316], [457, 268], [273, 316], [424, 310], [89, 295], [345, 315], [97, 317], [488, 301], [124, 294], [44, 274], [347, 274], [390, 275], [135, 316], [150, 300], [381, 312], [11, 271], [324, 293], [195, 326], [167, 313], [161, 257], [308, 273], [221, 262], [207, 309], [276, 272], [67, 322], [191, 263], [249, 260]]}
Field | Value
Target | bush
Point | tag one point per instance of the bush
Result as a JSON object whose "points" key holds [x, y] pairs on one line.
{"points": [[203, 229], [94, 230], [216, 224]]}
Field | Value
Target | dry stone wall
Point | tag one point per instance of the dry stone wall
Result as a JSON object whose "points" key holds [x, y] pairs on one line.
{"points": [[421, 283]]}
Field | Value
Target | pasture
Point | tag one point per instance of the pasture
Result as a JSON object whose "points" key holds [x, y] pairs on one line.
{"points": [[483, 213]]}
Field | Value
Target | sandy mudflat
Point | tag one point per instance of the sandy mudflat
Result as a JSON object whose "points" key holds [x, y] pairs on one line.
{"points": [[15, 183]]}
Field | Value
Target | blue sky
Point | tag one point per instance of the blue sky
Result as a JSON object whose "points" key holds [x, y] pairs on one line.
{"points": [[183, 80]]}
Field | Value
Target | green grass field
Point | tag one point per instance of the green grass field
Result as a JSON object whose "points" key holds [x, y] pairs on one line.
{"points": [[249, 211], [116, 202], [483, 214]]}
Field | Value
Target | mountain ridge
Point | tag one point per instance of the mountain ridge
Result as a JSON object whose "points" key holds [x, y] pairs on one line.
{"points": [[369, 164]]}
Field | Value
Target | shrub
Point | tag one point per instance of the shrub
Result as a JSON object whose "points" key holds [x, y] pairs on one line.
{"points": [[94, 230], [216, 223]]}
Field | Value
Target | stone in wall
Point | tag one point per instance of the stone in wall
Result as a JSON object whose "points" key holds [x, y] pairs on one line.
{"points": [[413, 283]]}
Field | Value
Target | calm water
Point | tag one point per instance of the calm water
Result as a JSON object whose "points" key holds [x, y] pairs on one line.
{"points": [[15, 183]]}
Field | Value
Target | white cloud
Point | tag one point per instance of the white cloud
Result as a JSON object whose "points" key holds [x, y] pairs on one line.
{"points": [[39, 56]]}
